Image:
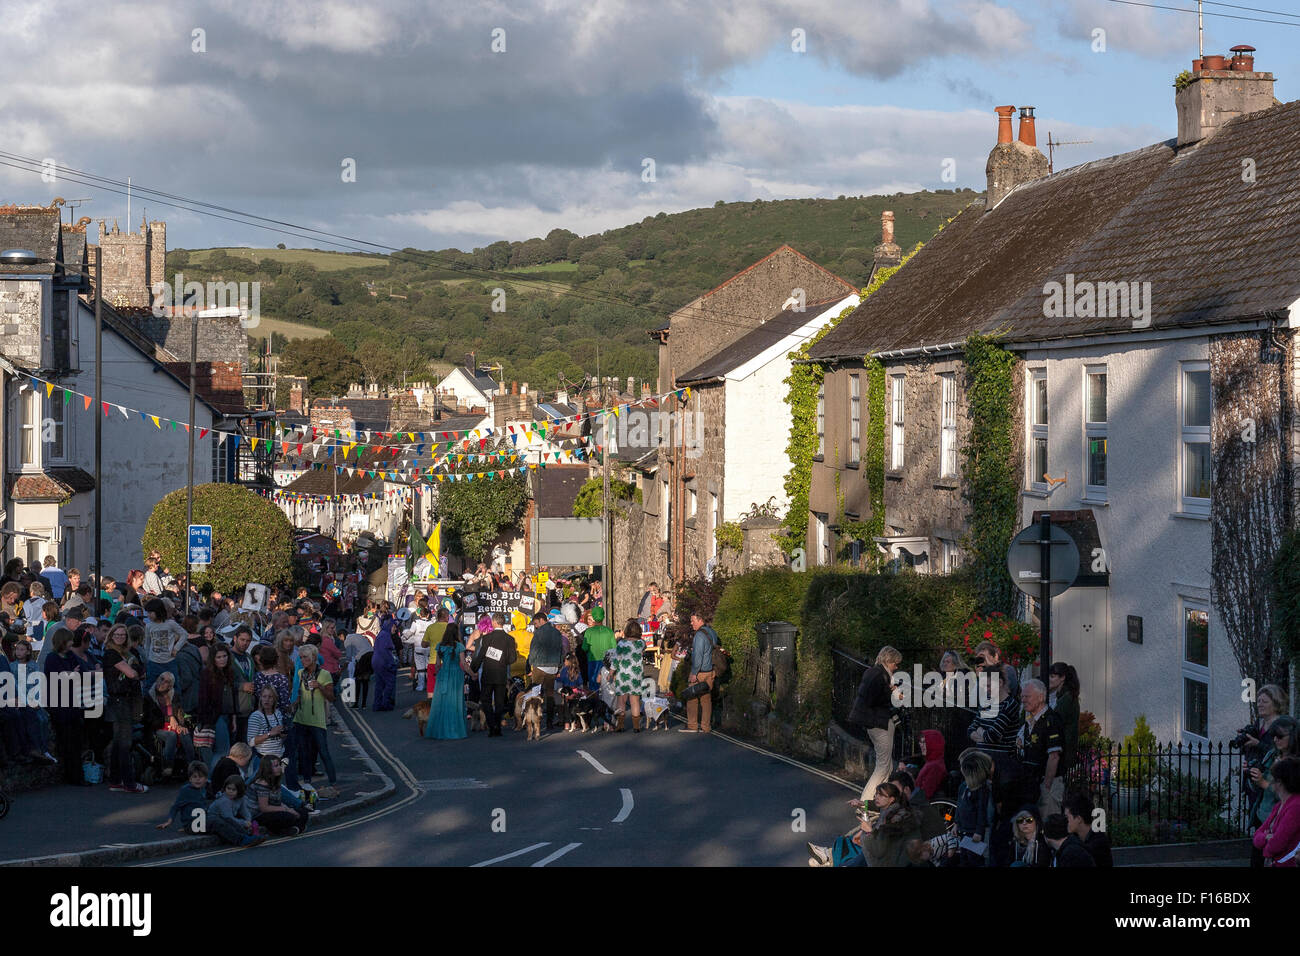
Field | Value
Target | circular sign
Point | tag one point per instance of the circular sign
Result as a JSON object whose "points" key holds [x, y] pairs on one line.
{"points": [[1024, 560]]}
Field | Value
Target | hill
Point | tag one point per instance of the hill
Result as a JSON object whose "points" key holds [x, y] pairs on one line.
{"points": [[561, 295]]}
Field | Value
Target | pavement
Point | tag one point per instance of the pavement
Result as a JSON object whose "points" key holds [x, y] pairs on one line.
{"points": [[93, 826]]}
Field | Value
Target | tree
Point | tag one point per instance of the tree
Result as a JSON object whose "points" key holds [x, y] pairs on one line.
{"points": [[279, 245], [252, 540], [588, 502], [475, 513], [326, 362]]}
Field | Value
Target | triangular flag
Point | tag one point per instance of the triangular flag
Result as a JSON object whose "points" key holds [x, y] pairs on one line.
{"points": [[203, 433], [87, 398], [154, 419], [105, 407]]}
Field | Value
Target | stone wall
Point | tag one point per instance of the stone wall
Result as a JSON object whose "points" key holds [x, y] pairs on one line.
{"points": [[703, 327], [221, 338], [20, 321], [704, 475]]}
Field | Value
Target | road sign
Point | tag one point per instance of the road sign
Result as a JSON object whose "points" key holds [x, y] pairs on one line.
{"points": [[1024, 560], [200, 544]]}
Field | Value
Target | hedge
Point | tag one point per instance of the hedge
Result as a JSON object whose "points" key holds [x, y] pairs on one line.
{"points": [[839, 607], [252, 540]]}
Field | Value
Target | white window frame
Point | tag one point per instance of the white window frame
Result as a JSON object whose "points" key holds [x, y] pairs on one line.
{"points": [[693, 503], [855, 418], [1037, 432], [950, 556], [898, 411], [62, 425], [663, 511], [1189, 435], [948, 425], [1190, 671], [1094, 431], [821, 420], [30, 447], [716, 519], [823, 538]]}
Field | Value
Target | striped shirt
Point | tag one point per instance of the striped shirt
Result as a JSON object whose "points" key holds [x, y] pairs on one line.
{"points": [[260, 723], [999, 730]]}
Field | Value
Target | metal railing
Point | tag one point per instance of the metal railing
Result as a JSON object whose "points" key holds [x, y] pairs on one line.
{"points": [[1174, 793]]}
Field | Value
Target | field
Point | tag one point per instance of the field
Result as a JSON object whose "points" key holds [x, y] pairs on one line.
{"points": [[323, 261], [290, 330]]}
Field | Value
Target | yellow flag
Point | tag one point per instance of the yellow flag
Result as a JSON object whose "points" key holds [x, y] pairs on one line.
{"points": [[49, 387], [435, 546], [154, 419]]}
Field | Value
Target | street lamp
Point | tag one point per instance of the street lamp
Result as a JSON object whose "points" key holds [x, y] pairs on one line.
{"points": [[25, 257]]}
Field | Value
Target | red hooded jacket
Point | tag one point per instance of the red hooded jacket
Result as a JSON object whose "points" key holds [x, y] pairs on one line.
{"points": [[932, 775]]}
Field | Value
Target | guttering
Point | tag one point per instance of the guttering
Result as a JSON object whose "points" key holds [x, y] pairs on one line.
{"points": [[1253, 323], [941, 349]]}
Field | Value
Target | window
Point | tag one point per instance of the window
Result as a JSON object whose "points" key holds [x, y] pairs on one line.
{"points": [[823, 539], [821, 420], [29, 455], [56, 448], [1094, 432], [950, 555], [716, 510], [1195, 420], [691, 504], [1196, 669], [896, 456], [948, 432], [855, 419], [664, 506], [1037, 428]]}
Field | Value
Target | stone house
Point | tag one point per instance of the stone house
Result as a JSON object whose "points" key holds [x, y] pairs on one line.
{"points": [[1155, 394], [670, 535]]}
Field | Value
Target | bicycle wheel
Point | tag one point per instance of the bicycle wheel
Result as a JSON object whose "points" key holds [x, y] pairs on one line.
{"points": [[949, 810], [4, 804]]}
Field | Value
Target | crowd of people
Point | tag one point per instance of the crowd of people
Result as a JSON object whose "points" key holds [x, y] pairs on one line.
{"points": [[1001, 770]]}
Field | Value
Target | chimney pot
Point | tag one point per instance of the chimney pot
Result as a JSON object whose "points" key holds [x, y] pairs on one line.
{"points": [[887, 227], [1027, 126], [1004, 123], [514, 388]]}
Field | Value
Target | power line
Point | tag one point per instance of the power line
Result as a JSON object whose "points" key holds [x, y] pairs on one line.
{"points": [[1222, 16], [282, 227], [1237, 6]]}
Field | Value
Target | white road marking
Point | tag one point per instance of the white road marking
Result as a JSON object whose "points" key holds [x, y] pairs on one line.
{"points": [[511, 856], [557, 854], [594, 762], [627, 806]]}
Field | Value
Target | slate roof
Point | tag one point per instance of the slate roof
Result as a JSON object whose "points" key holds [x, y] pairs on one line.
{"points": [[322, 483], [370, 414], [1214, 247], [555, 488], [482, 381], [752, 343], [982, 262]]}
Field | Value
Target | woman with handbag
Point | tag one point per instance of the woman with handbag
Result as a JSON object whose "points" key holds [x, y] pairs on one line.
{"points": [[123, 684]]}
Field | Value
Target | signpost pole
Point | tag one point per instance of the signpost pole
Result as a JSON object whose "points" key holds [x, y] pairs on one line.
{"points": [[1045, 597]]}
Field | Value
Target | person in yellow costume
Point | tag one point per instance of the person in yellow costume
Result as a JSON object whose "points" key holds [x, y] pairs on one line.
{"points": [[523, 640]]}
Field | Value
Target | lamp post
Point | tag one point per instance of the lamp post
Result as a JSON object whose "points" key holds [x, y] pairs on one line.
{"points": [[26, 257]]}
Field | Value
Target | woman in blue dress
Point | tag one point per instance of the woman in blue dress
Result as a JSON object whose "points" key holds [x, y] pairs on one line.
{"points": [[447, 709], [384, 662]]}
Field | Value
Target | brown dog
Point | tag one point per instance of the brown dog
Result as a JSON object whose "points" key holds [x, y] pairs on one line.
{"points": [[475, 716], [533, 718], [420, 711]]}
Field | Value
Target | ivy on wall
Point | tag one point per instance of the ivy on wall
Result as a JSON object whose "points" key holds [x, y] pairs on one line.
{"points": [[874, 459], [989, 469], [803, 383]]}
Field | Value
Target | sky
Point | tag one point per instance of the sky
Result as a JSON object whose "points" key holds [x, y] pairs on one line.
{"points": [[266, 107]]}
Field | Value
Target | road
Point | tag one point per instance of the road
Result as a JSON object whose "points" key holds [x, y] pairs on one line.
{"points": [[614, 799]]}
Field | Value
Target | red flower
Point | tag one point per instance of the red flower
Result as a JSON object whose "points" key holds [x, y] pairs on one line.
{"points": [[988, 634]]}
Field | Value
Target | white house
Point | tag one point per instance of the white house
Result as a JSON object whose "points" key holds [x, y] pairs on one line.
{"points": [[470, 387], [49, 341]]}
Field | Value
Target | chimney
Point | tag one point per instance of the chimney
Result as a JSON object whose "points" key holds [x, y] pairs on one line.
{"points": [[1012, 164], [295, 397], [1027, 126], [514, 388], [1219, 91], [888, 253], [1004, 123], [562, 397]]}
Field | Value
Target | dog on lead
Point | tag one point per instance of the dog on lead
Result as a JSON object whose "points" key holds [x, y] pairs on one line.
{"points": [[475, 716], [420, 711], [532, 718]]}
